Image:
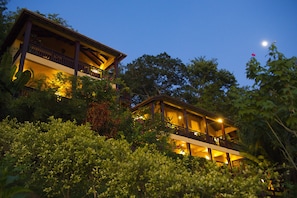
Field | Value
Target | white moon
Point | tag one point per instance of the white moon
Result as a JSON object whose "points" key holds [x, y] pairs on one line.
{"points": [[264, 43]]}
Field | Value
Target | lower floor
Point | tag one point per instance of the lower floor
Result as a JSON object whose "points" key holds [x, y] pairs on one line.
{"points": [[187, 146]]}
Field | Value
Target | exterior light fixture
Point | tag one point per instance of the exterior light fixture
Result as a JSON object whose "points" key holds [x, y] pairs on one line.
{"points": [[96, 71], [220, 120]]}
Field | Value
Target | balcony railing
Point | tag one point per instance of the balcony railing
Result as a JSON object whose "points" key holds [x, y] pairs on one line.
{"points": [[206, 138], [60, 58]]}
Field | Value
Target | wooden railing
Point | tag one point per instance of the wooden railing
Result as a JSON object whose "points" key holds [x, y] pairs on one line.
{"points": [[59, 58], [206, 138]]}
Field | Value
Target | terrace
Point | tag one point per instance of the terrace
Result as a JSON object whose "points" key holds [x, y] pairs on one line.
{"points": [[206, 138], [60, 58]]}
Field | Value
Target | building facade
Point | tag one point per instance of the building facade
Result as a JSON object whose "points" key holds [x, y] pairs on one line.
{"points": [[46, 47], [197, 132]]}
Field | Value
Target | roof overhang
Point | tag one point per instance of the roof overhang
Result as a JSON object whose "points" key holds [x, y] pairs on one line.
{"points": [[177, 103], [50, 25]]}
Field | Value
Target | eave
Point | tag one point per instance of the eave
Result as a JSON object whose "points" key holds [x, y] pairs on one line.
{"points": [[35, 18]]}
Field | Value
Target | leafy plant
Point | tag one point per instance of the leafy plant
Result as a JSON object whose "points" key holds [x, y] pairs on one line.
{"points": [[8, 186], [267, 112]]}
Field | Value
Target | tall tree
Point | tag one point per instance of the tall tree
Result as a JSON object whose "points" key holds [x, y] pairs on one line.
{"points": [[8, 18], [268, 111], [153, 75], [3, 24], [209, 87]]}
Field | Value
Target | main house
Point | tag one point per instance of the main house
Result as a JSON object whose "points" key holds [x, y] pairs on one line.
{"points": [[46, 48], [197, 131]]}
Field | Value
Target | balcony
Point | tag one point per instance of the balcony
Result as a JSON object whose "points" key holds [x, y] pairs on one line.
{"points": [[206, 138], [60, 58]]}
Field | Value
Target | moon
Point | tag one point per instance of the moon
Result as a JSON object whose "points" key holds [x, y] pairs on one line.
{"points": [[264, 43]]}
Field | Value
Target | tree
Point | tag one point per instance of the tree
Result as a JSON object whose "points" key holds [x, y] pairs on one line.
{"points": [[267, 115], [56, 18], [209, 87], [149, 130], [8, 18], [3, 25], [149, 75]]}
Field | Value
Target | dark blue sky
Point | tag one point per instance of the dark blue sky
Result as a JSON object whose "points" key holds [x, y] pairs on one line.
{"points": [[228, 30]]}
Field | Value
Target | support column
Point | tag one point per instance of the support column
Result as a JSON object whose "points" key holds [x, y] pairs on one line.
{"points": [[189, 148], [186, 120], [116, 67], [116, 71], [210, 153], [206, 130], [25, 44], [153, 110], [76, 57], [75, 66], [223, 132], [229, 160], [162, 111]]}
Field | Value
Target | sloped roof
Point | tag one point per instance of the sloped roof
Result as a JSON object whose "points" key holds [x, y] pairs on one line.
{"points": [[27, 15], [182, 105]]}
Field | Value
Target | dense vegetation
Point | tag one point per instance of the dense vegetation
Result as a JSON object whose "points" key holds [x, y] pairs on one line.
{"points": [[90, 146], [63, 159]]}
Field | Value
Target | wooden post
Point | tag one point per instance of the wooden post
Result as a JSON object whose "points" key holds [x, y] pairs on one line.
{"points": [[210, 153], [76, 57], [153, 109], [189, 148], [206, 130], [75, 67], [229, 160], [186, 120], [162, 111], [25, 44], [223, 131]]}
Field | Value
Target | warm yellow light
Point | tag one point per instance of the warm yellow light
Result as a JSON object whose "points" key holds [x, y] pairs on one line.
{"points": [[207, 157], [179, 117], [220, 120], [96, 71]]}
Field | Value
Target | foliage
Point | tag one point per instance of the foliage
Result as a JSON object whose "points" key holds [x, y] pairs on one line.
{"points": [[55, 18], [62, 159], [199, 83], [101, 119], [11, 83], [8, 185], [148, 76], [33, 105], [210, 87], [268, 115], [3, 24], [11, 80], [151, 130]]}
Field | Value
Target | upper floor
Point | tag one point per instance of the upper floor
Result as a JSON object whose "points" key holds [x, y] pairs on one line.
{"points": [[46, 48]]}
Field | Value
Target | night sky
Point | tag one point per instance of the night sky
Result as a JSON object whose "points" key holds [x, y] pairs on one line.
{"points": [[230, 30]]}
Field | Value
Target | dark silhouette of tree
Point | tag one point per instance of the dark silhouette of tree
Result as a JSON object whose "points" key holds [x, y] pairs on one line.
{"points": [[148, 76], [267, 112], [209, 87]]}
